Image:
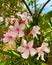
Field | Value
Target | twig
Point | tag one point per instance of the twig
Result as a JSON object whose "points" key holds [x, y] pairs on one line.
{"points": [[35, 6], [44, 6], [27, 7]]}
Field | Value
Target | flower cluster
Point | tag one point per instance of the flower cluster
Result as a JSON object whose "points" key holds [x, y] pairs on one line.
{"points": [[28, 49], [16, 28]]}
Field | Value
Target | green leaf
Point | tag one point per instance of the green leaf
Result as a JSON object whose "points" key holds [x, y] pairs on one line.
{"points": [[10, 53], [2, 63], [15, 53], [43, 63]]}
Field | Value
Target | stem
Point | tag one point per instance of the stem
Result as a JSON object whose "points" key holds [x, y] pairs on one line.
{"points": [[27, 7], [44, 6], [35, 5]]}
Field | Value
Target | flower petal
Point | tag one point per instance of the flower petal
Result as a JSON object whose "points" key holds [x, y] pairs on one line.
{"points": [[24, 42], [32, 51], [19, 13], [22, 26], [34, 35], [36, 28], [44, 44], [21, 34], [38, 32], [30, 44], [16, 23], [47, 50], [11, 28], [6, 24], [25, 54], [42, 57], [20, 49], [5, 40], [11, 41], [38, 56]]}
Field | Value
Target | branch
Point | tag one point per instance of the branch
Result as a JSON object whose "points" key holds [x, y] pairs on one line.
{"points": [[44, 6], [35, 5], [27, 7]]}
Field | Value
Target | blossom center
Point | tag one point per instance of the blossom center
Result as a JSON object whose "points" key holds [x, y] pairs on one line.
{"points": [[21, 22], [27, 47], [41, 50], [10, 37], [17, 29]]}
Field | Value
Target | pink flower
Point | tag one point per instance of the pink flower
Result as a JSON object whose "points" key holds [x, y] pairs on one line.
{"points": [[18, 29], [9, 37], [35, 31], [24, 16], [1, 19], [27, 49], [13, 20], [41, 50]]}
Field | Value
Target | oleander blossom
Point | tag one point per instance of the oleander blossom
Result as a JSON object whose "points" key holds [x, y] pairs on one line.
{"points": [[24, 16], [18, 29], [35, 31], [9, 37], [14, 20], [11, 20], [41, 50], [27, 49]]}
